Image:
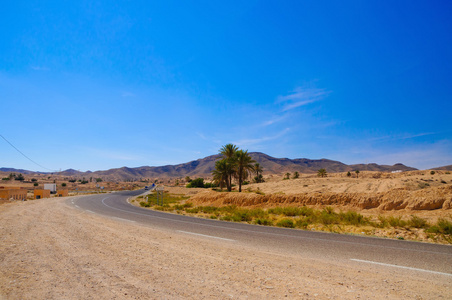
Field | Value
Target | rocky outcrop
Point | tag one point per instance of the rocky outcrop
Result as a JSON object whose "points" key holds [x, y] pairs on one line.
{"points": [[395, 199]]}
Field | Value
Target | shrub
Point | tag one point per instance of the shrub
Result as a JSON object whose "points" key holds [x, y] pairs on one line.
{"points": [[443, 226], [302, 223], [208, 209], [265, 222], [63, 184], [353, 218], [432, 172], [210, 185], [257, 213], [288, 223], [35, 184], [423, 185], [396, 222], [196, 183], [19, 177], [417, 222], [328, 219], [193, 210], [383, 222], [183, 206], [242, 216]]}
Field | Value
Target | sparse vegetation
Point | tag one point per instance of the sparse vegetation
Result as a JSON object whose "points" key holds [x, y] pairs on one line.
{"points": [[19, 177], [327, 219], [432, 172], [296, 175], [322, 173], [423, 185]]}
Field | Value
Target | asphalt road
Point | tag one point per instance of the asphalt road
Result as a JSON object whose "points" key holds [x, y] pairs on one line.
{"points": [[417, 258]]}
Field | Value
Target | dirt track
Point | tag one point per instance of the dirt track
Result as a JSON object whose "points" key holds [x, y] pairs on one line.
{"points": [[51, 251]]}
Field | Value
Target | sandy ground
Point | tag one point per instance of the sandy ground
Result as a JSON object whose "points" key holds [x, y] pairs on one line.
{"points": [[367, 182], [49, 250]]}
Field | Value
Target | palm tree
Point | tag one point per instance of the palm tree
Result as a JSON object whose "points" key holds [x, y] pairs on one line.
{"points": [[221, 173], [357, 173], [287, 175], [244, 164], [296, 175], [321, 173], [258, 169], [229, 151]]}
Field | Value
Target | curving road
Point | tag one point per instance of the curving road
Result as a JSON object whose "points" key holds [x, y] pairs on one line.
{"points": [[417, 258]]}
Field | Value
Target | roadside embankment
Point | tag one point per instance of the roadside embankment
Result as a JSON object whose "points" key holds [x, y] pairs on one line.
{"points": [[395, 199]]}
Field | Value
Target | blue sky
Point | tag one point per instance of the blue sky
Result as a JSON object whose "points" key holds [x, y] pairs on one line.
{"points": [[94, 85]]}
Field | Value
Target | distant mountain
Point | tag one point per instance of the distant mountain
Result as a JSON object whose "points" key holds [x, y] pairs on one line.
{"points": [[12, 170], [204, 166], [445, 168]]}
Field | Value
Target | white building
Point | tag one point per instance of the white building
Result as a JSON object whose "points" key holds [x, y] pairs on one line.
{"points": [[50, 186]]}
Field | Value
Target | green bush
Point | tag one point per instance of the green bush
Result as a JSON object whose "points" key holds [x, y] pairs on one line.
{"points": [[288, 223], [208, 209], [302, 223], [183, 206], [432, 172], [396, 222], [443, 226], [210, 185], [242, 216], [196, 183], [353, 218], [417, 222], [263, 221]]}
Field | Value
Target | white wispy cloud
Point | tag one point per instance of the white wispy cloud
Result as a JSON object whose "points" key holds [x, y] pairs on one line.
{"points": [[302, 96], [275, 119], [253, 142], [201, 135], [401, 136]]}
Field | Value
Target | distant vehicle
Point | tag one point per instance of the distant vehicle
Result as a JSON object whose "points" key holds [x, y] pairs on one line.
{"points": [[146, 188]]}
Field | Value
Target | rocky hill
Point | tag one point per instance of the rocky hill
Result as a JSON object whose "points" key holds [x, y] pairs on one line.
{"points": [[204, 166]]}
